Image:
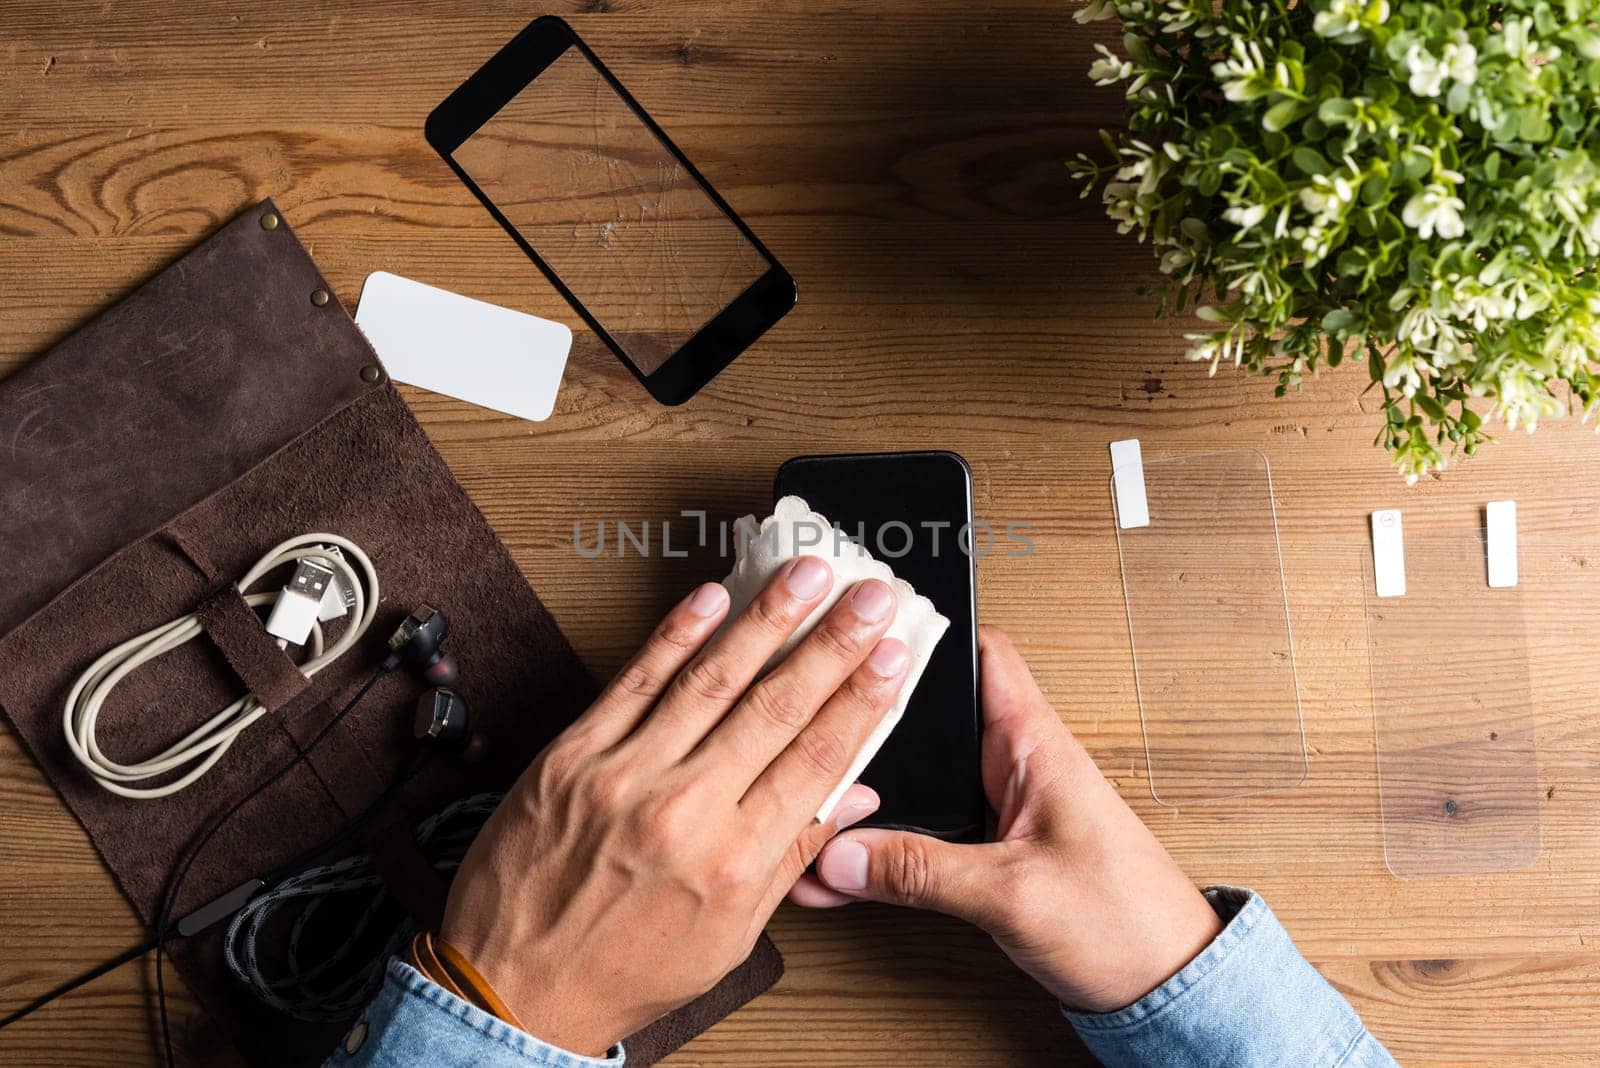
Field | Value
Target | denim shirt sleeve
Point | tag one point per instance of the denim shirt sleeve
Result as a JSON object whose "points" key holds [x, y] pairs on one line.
{"points": [[1249, 999], [415, 1021]]}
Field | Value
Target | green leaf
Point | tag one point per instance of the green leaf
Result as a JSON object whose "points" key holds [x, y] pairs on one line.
{"points": [[1339, 319], [1534, 126], [1336, 111], [1414, 165], [1433, 408], [1310, 161], [1375, 189]]}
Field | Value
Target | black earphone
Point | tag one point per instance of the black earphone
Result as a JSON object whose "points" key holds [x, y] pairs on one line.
{"points": [[442, 722], [443, 726], [417, 641]]}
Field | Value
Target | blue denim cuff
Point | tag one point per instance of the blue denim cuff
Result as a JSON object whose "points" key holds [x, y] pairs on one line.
{"points": [[414, 1020], [1248, 999]]}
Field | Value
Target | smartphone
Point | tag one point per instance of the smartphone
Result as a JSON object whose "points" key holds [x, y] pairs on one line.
{"points": [[617, 218], [913, 510]]}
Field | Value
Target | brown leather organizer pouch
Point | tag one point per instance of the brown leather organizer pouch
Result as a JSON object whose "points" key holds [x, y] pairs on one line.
{"points": [[145, 463]]}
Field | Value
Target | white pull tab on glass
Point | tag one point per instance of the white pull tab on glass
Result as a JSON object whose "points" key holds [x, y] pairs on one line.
{"points": [[1388, 554], [1500, 523], [1127, 478]]}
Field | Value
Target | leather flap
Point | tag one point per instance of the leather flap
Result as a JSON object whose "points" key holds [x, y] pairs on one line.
{"points": [[165, 397]]}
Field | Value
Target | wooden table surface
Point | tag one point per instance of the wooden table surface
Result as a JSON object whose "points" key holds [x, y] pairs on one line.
{"points": [[903, 158]]}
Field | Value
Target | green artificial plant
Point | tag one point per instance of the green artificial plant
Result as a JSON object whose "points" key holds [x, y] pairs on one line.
{"points": [[1416, 184]]}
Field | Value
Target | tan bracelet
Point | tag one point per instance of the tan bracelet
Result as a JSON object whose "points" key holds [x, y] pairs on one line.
{"points": [[449, 967]]}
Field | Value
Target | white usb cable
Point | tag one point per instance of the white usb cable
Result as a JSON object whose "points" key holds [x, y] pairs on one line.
{"points": [[325, 582]]}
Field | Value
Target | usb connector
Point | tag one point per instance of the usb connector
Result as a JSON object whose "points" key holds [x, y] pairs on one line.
{"points": [[339, 599], [297, 607]]}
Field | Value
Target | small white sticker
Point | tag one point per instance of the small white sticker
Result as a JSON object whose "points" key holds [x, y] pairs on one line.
{"points": [[1388, 553], [1501, 532], [1127, 477]]}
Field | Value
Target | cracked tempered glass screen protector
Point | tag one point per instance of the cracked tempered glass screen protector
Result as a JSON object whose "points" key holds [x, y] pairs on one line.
{"points": [[1208, 621], [1453, 713], [612, 212]]}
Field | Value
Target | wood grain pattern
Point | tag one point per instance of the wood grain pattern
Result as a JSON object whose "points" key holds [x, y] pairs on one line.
{"points": [[903, 159]]}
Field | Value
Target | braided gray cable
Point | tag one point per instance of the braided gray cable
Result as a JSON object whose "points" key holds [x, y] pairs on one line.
{"points": [[336, 985]]}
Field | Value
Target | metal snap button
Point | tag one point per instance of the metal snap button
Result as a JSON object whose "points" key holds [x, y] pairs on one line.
{"points": [[353, 1041], [319, 297]]}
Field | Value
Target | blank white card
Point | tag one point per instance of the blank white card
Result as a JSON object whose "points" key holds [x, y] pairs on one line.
{"points": [[469, 349]]}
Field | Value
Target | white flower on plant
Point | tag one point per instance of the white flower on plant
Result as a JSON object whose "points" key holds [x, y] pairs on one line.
{"points": [[1404, 371], [1460, 59], [1109, 68], [1480, 304], [1327, 197], [1243, 76], [1203, 348], [1344, 20], [1177, 15], [1434, 210], [1246, 218], [1524, 400], [1122, 205], [1457, 60], [1315, 241], [1573, 343], [1517, 41], [1137, 169], [1431, 333], [1175, 259], [1530, 302], [1251, 280], [1426, 72]]}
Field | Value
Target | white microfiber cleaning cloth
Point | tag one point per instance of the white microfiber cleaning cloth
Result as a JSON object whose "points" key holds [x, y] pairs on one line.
{"points": [[792, 530]]}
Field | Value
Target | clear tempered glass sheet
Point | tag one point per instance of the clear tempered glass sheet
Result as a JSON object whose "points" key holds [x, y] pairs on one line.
{"points": [[1208, 620], [1454, 712], [610, 210]]}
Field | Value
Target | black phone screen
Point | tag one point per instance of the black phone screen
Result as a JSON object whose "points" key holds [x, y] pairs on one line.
{"points": [[913, 510]]}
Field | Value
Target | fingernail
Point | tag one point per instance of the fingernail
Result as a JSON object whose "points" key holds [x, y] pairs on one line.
{"points": [[853, 810], [872, 600], [708, 600], [843, 865], [808, 578], [888, 658]]}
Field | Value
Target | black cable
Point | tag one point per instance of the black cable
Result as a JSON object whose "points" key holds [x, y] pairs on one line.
{"points": [[89, 976], [220, 908], [164, 925], [225, 905]]}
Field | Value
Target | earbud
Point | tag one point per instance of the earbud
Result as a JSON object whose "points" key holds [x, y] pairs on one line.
{"points": [[417, 642], [442, 723]]}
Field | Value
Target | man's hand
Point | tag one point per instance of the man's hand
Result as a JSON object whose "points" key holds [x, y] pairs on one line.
{"points": [[1077, 891], [636, 861]]}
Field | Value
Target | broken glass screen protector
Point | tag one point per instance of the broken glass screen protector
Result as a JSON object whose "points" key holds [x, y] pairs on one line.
{"points": [[1208, 621], [1454, 712], [618, 219]]}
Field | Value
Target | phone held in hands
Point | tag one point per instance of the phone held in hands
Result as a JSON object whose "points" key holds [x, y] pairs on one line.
{"points": [[913, 510]]}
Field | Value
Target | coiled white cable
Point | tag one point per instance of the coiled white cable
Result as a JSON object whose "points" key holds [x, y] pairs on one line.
{"points": [[205, 745]]}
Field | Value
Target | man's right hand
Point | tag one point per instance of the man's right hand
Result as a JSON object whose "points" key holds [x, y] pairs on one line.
{"points": [[1076, 889]]}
